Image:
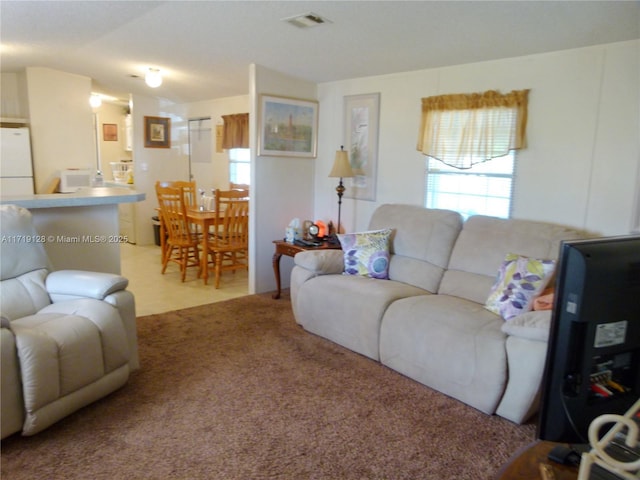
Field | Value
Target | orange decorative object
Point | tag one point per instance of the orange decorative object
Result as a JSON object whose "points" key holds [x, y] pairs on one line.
{"points": [[322, 229]]}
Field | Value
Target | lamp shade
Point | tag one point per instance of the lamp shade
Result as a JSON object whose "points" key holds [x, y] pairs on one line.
{"points": [[341, 167]]}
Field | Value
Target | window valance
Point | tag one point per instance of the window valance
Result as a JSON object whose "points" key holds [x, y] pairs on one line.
{"points": [[235, 132], [464, 129]]}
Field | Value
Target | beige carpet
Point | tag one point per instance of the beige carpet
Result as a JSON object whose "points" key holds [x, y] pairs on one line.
{"points": [[236, 390]]}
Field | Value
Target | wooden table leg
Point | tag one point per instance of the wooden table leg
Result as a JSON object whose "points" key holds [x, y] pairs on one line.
{"points": [[276, 272], [204, 255]]}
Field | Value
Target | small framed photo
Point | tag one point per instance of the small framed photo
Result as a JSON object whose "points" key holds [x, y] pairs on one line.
{"points": [[110, 132], [288, 127], [157, 132]]}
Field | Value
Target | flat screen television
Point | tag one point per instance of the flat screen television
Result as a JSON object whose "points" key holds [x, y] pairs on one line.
{"points": [[593, 357]]}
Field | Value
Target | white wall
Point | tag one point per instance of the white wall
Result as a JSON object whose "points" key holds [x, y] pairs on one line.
{"points": [[281, 187], [581, 165], [60, 118], [153, 164]]}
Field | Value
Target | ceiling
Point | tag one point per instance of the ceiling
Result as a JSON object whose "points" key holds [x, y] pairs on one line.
{"points": [[204, 48]]}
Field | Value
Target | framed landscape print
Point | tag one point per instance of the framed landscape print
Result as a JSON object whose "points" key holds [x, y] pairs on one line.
{"points": [[288, 127], [361, 118], [157, 132]]}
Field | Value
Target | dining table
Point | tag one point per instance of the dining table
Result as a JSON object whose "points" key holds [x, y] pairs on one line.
{"points": [[204, 220]]}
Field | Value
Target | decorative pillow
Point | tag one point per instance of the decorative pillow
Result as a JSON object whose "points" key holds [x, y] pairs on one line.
{"points": [[520, 280], [366, 253]]}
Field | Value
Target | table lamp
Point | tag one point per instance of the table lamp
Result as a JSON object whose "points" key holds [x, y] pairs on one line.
{"points": [[341, 169]]}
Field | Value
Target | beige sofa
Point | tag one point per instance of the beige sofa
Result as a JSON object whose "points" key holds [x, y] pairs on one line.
{"points": [[68, 337], [428, 320]]}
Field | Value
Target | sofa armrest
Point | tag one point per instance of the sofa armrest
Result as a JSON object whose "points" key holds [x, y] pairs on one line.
{"points": [[321, 262], [533, 325], [71, 284]]}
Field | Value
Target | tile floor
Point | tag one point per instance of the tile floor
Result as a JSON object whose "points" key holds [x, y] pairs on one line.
{"points": [[158, 293]]}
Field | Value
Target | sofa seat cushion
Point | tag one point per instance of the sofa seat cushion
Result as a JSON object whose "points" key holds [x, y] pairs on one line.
{"points": [[64, 349], [450, 344], [348, 309]]}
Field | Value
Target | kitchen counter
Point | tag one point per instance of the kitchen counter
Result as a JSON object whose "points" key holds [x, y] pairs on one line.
{"points": [[80, 230], [82, 198]]}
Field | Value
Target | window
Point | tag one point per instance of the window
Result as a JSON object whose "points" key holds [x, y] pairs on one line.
{"points": [[484, 189], [470, 142], [239, 165]]}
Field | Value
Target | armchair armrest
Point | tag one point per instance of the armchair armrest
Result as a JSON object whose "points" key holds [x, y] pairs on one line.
{"points": [[321, 262], [70, 284], [533, 325]]}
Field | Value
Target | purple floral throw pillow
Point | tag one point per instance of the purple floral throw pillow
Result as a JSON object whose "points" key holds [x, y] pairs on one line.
{"points": [[520, 280], [366, 253]]}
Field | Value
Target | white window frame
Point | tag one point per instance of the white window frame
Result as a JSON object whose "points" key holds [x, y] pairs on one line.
{"points": [[239, 157], [441, 193]]}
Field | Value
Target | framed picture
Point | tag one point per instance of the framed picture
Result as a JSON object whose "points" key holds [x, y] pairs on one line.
{"points": [[157, 132], [110, 132], [361, 119], [288, 127]]}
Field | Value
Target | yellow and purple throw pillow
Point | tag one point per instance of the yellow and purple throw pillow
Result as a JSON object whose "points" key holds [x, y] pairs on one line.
{"points": [[366, 253], [520, 280]]}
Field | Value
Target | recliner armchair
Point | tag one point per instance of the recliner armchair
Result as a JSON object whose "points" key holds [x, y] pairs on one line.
{"points": [[68, 337]]}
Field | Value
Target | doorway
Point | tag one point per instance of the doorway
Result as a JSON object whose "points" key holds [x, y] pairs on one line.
{"points": [[201, 153]]}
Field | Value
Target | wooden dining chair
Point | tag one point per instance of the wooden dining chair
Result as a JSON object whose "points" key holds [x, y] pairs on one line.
{"points": [[230, 249], [182, 245], [188, 190], [190, 199], [238, 186], [223, 197]]}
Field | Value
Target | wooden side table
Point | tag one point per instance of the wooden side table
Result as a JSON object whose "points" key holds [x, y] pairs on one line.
{"points": [[525, 464], [290, 249]]}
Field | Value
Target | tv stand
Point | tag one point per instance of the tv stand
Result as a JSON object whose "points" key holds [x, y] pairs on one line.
{"points": [[525, 464]]}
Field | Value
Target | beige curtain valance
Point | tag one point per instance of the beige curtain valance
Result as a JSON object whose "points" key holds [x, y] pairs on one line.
{"points": [[464, 129], [235, 132]]}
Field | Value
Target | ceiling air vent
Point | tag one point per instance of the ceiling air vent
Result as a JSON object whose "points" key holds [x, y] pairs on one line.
{"points": [[307, 20]]}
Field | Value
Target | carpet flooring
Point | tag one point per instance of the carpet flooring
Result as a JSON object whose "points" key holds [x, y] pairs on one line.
{"points": [[237, 390]]}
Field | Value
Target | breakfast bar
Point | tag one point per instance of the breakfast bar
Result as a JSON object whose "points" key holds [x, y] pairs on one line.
{"points": [[79, 230]]}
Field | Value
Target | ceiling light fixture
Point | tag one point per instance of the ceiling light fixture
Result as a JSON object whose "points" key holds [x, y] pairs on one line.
{"points": [[153, 78], [95, 100]]}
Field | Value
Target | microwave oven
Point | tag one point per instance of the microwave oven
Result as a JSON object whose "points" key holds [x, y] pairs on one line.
{"points": [[73, 180]]}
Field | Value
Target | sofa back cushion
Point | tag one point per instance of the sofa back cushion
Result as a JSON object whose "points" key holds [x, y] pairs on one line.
{"points": [[483, 244], [22, 248], [421, 242], [24, 295]]}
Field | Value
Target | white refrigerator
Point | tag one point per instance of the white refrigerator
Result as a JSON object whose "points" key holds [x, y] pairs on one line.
{"points": [[16, 169]]}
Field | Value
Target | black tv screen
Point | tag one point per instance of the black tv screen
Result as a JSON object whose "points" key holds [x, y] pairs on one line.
{"points": [[593, 357]]}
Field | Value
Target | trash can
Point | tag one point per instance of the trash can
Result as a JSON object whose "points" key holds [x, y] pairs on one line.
{"points": [[156, 229]]}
